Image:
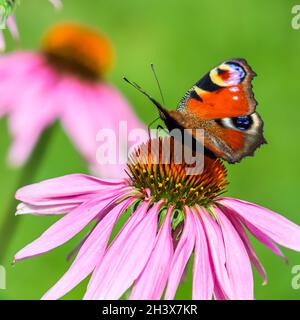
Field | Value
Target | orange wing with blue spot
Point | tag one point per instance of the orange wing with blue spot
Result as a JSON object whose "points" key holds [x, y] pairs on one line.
{"points": [[224, 92]]}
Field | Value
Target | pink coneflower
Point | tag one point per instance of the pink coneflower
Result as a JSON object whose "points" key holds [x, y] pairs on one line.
{"points": [[7, 18], [172, 216], [64, 80]]}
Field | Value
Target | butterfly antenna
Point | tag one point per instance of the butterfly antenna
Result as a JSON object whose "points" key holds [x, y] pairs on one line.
{"points": [[158, 84], [137, 87]]}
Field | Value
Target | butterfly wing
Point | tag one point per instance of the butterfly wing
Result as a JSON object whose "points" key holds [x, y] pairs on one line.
{"points": [[232, 139], [225, 91], [222, 103]]}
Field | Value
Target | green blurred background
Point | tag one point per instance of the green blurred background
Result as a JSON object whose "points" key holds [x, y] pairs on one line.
{"points": [[184, 39]]}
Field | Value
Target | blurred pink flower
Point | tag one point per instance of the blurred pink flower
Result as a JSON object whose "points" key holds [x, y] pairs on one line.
{"points": [[11, 21], [172, 216], [63, 81]]}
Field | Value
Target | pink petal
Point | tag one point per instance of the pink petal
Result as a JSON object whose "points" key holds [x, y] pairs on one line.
{"points": [[237, 260], [151, 282], [273, 225], [218, 292], [12, 26], [99, 98], [34, 109], [77, 108], [14, 71], [72, 187], [217, 251], [91, 105], [61, 205], [17, 65], [66, 228], [108, 95], [251, 253], [264, 239], [24, 208], [202, 274], [126, 256], [91, 252], [33, 102], [22, 147], [182, 254]]}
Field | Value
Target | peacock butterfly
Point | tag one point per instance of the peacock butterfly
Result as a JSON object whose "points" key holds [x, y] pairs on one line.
{"points": [[222, 103]]}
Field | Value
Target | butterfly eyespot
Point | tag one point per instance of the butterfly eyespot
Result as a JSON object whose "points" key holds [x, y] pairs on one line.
{"points": [[227, 74], [221, 71], [223, 74], [236, 68], [243, 122]]}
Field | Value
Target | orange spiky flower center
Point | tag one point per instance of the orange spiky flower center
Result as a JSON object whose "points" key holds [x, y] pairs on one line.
{"points": [[79, 50], [158, 171]]}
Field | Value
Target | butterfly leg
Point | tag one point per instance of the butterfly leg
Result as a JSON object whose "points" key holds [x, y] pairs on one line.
{"points": [[159, 127], [150, 124]]}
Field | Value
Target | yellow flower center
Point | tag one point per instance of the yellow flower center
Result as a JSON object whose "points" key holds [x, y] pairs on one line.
{"points": [[167, 179], [77, 49]]}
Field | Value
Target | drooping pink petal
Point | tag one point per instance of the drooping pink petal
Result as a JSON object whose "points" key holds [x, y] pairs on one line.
{"points": [[66, 228], [22, 147], [34, 110], [72, 187], [14, 70], [126, 256], [95, 106], [251, 253], [182, 254], [275, 226], [99, 98], [90, 254], [217, 251], [43, 81], [264, 239], [202, 272], [22, 61], [15, 67], [81, 132], [237, 260], [118, 104], [151, 282]]}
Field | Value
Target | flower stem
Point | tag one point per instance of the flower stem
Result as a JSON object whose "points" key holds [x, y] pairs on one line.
{"points": [[28, 173]]}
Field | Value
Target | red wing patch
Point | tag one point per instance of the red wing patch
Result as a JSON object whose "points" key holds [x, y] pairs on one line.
{"points": [[223, 103]]}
